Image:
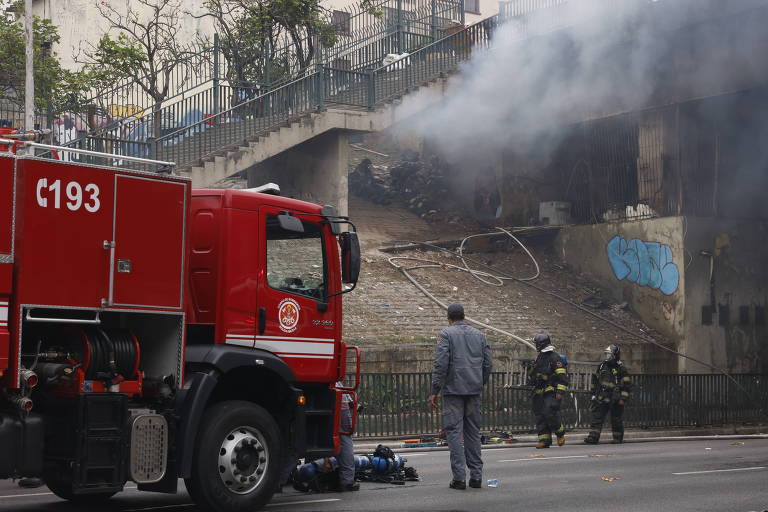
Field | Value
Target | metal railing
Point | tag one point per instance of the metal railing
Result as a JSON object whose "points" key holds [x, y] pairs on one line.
{"points": [[327, 85], [394, 405]]}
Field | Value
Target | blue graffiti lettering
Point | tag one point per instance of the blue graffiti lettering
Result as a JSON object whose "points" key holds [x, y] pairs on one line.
{"points": [[643, 263]]}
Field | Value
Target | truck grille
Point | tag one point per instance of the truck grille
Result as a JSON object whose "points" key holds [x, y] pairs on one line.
{"points": [[149, 448]]}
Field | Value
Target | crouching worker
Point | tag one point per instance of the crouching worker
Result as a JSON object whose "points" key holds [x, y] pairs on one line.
{"points": [[549, 378]]}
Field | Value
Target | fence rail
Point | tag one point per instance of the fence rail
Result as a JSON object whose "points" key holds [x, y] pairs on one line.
{"points": [[395, 404]]}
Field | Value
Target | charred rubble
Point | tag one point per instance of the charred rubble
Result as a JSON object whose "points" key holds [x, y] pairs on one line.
{"points": [[422, 187]]}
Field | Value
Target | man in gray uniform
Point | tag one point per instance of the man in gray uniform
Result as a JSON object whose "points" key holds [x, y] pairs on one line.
{"points": [[461, 369]]}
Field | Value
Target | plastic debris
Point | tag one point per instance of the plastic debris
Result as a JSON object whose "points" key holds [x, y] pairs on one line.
{"points": [[597, 455], [493, 482], [707, 448], [738, 443], [610, 478], [536, 456]]}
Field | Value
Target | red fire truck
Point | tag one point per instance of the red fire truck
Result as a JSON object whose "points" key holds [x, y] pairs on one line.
{"points": [[151, 332]]}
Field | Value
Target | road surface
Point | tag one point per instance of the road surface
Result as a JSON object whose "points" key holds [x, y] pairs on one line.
{"points": [[722, 475]]}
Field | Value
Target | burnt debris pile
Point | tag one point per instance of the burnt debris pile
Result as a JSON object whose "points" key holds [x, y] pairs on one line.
{"points": [[420, 186]]}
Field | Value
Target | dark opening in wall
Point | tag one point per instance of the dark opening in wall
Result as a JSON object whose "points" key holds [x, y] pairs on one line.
{"points": [[706, 315], [723, 314], [759, 315], [744, 315]]}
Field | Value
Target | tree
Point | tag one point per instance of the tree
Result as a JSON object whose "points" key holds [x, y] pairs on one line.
{"points": [[56, 89], [264, 41], [146, 49]]}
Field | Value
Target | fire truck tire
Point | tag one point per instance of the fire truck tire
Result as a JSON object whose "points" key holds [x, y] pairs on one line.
{"points": [[236, 465]]}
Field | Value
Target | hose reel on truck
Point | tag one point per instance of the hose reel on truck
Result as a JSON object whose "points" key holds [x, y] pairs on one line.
{"points": [[77, 359]]}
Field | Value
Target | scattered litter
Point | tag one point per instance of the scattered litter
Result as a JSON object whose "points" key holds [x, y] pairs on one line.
{"points": [[738, 443], [595, 302], [536, 456], [610, 478], [493, 482], [707, 448], [497, 438], [620, 307], [596, 455]]}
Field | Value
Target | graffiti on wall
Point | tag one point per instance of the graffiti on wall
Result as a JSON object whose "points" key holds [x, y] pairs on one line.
{"points": [[643, 263]]}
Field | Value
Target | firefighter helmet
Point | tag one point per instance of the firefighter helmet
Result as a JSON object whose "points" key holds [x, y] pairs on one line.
{"points": [[612, 352], [541, 341]]}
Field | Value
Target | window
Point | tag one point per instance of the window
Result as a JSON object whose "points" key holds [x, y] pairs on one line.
{"points": [[295, 261], [472, 6], [341, 20]]}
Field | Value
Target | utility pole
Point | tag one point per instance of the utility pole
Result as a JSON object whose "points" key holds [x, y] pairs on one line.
{"points": [[29, 89]]}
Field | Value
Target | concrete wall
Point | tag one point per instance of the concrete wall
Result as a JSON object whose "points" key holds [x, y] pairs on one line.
{"points": [[315, 170], [80, 24], [640, 262], [737, 337]]}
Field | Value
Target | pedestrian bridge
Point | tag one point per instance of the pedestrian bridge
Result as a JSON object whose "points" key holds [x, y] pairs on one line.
{"points": [[293, 134]]}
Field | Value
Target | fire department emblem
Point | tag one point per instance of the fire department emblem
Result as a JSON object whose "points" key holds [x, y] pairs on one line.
{"points": [[288, 315]]}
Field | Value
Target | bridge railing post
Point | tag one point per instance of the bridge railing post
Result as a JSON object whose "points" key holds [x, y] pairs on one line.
{"points": [[216, 91], [320, 91], [371, 89]]}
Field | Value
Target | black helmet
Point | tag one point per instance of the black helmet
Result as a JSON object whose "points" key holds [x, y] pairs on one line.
{"points": [[541, 341], [612, 352]]}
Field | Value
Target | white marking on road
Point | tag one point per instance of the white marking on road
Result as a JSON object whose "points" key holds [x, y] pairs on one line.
{"points": [[25, 495], [160, 507], [719, 470], [32, 494], [547, 458], [327, 500]]}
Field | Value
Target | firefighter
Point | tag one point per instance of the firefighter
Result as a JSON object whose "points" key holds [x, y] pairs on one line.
{"points": [[549, 379], [610, 391]]}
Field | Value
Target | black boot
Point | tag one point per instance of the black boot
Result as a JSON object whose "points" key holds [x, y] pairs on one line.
{"points": [[591, 440], [617, 438]]}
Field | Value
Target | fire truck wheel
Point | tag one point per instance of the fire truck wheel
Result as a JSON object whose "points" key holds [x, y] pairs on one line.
{"points": [[236, 465]]}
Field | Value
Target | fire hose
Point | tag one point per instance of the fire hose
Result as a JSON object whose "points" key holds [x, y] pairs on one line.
{"points": [[499, 277]]}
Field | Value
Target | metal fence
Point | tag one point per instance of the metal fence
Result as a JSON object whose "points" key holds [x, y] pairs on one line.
{"points": [[394, 405]]}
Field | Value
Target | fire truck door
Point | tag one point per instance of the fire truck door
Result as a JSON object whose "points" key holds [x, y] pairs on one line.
{"points": [[293, 320], [149, 234]]}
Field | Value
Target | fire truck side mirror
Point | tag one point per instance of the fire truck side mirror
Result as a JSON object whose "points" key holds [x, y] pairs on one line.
{"points": [[290, 223], [350, 257]]}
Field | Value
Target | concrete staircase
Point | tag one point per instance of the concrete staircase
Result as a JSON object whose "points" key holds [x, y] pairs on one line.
{"points": [[252, 149]]}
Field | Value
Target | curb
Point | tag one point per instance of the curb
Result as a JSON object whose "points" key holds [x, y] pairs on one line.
{"points": [[366, 448]]}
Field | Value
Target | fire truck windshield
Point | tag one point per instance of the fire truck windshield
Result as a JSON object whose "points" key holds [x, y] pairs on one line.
{"points": [[295, 261]]}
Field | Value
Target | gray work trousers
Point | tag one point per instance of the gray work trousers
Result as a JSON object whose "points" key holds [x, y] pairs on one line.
{"points": [[461, 421], [346, 458]]}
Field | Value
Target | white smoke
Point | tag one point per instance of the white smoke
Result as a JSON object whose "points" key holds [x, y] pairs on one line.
{"points": [[554, 66]]}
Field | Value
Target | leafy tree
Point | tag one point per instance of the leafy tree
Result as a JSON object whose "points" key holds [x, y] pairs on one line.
{"points": [[55, 87], [264, 41], [143, 46]]}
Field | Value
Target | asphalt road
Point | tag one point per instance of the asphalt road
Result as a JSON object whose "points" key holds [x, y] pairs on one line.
{"points": [[722, 475]]}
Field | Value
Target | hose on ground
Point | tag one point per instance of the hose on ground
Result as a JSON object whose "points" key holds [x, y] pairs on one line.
{"points": [[432, 264], [500, 276]]}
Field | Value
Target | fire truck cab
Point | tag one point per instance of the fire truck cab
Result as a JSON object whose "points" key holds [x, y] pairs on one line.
{"points": [[151, 332]]}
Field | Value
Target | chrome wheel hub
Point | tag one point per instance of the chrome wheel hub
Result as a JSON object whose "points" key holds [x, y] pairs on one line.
{"points": [[243, 460]]}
